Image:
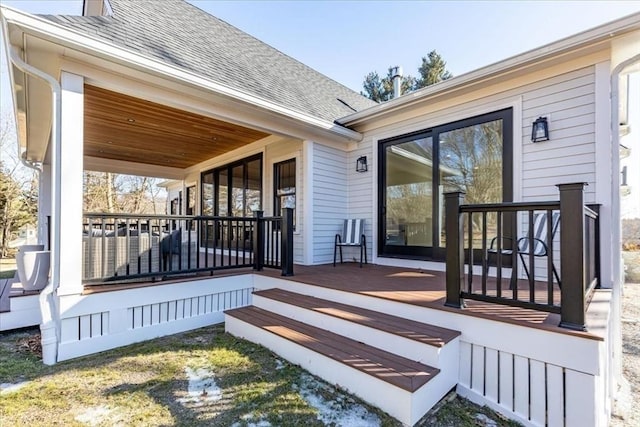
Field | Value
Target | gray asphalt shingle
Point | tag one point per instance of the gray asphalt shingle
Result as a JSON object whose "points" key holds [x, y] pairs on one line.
{"points": [[180, 34]]}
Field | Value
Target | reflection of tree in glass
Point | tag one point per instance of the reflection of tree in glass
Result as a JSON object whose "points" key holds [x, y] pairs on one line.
{"points": [[471, 161]]}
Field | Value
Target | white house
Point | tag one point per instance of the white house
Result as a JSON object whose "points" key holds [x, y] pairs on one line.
{"points": [[164, 89]]}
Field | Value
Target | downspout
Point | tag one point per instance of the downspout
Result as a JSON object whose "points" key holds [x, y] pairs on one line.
{"points": [[618, 278], [49, 306]]}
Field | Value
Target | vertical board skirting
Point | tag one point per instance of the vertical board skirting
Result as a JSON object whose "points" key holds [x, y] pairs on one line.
{"points": [[491, 374], [531, 391], [105, 320], [169, 311], [465, 364]]}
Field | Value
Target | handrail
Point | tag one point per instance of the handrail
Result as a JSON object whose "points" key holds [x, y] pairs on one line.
{"points": [[566, 291], [509, 206], [122, 246]]}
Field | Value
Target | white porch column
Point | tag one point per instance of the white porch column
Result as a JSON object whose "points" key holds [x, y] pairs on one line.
{"points": [[307, 208], [69, 203]]}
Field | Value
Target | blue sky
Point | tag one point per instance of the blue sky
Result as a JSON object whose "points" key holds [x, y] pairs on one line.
{"points": [[346, 40]]}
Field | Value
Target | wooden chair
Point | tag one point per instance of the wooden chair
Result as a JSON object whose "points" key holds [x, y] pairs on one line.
{"points": [[526, 246], [352, 235]]}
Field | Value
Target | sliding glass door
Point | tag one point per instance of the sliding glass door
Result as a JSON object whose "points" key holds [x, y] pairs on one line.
{"points": [[408, 196], [234, 189], [472, 156]]}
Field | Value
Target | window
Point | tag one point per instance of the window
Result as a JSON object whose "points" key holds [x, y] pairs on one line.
{"points": [[234, 189], [284, 187], [191, 200], [176, 205]]}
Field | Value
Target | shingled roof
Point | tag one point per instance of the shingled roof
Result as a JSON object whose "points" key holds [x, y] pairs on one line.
{"points": [[178, 33]]}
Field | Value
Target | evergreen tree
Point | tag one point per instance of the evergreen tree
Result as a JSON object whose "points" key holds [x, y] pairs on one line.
{"points": [[432, 70]]}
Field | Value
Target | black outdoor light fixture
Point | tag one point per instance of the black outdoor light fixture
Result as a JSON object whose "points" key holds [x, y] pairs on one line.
{"points": [[361, 164], [540, 130]]}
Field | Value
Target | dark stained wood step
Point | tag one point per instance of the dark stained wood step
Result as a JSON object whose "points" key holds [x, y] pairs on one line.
{"points": [[385, 366], [417, 331]]}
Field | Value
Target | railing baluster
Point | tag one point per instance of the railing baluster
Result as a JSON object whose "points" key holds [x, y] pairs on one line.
{"points": [[128, 245], [550, 257], [104, 249], [470, 269], [485, 269], [499, 255], [532, 266]]}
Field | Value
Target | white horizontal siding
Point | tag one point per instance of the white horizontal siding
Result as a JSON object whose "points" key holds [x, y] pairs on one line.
{"points": [[362, 187], [569, 156], [279, 152], [330, 195]]}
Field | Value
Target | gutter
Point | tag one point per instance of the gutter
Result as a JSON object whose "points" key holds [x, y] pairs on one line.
{"points": [[49, 306], [81, 42]]}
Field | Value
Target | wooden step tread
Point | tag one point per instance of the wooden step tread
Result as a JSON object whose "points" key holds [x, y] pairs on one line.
{"points": [[417, 331], [394, 369]]}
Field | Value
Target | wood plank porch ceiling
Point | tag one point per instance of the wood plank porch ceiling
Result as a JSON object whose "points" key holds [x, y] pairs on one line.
{"points": [[122, 127]]}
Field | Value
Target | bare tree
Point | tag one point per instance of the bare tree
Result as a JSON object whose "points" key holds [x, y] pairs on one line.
{"points": [[18, 189]]}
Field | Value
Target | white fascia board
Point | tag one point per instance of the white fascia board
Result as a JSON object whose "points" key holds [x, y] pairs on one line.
{"points": [[74, 40], [98, 164], [582, 40]]}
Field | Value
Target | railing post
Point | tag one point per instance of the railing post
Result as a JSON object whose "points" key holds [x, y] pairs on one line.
{"points": [[286, 242], [572, 262], [455, 248], [596, 208], [258, 241]]}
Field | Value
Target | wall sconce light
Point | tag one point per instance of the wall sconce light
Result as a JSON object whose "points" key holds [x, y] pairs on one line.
{"points": [[361, 164], [540, 130]]}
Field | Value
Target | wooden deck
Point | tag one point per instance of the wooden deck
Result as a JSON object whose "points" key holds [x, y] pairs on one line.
{"points": [[426, 288], [411, 286]]}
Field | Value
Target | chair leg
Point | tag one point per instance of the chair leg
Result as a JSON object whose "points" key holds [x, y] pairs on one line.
{"points": [[341, 261], [335, 251], [364, 246], [524, 264], [555, 273]]}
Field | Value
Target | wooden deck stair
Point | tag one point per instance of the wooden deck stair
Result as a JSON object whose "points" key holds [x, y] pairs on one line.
{"points": [[402, 366]]}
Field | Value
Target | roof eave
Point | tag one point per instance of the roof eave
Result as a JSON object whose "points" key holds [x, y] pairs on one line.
{"points": [[584, 39], [60, 35]]}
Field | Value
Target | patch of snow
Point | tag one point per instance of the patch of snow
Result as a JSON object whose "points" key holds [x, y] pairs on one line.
{"points": [[341, 411], [6, 388], [279, 364], [483, 420], [94, 416], [261, 423], [202, 387]]}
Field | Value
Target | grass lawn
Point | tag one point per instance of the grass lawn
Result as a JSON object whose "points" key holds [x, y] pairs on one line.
{"points": [[203, 377], [7, 268]]}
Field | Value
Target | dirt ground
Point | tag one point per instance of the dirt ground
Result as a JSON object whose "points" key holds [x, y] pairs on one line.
{"points": [[629, 407]]}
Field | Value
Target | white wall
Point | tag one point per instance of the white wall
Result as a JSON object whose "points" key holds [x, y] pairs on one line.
{"points": [[330, 200]]}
